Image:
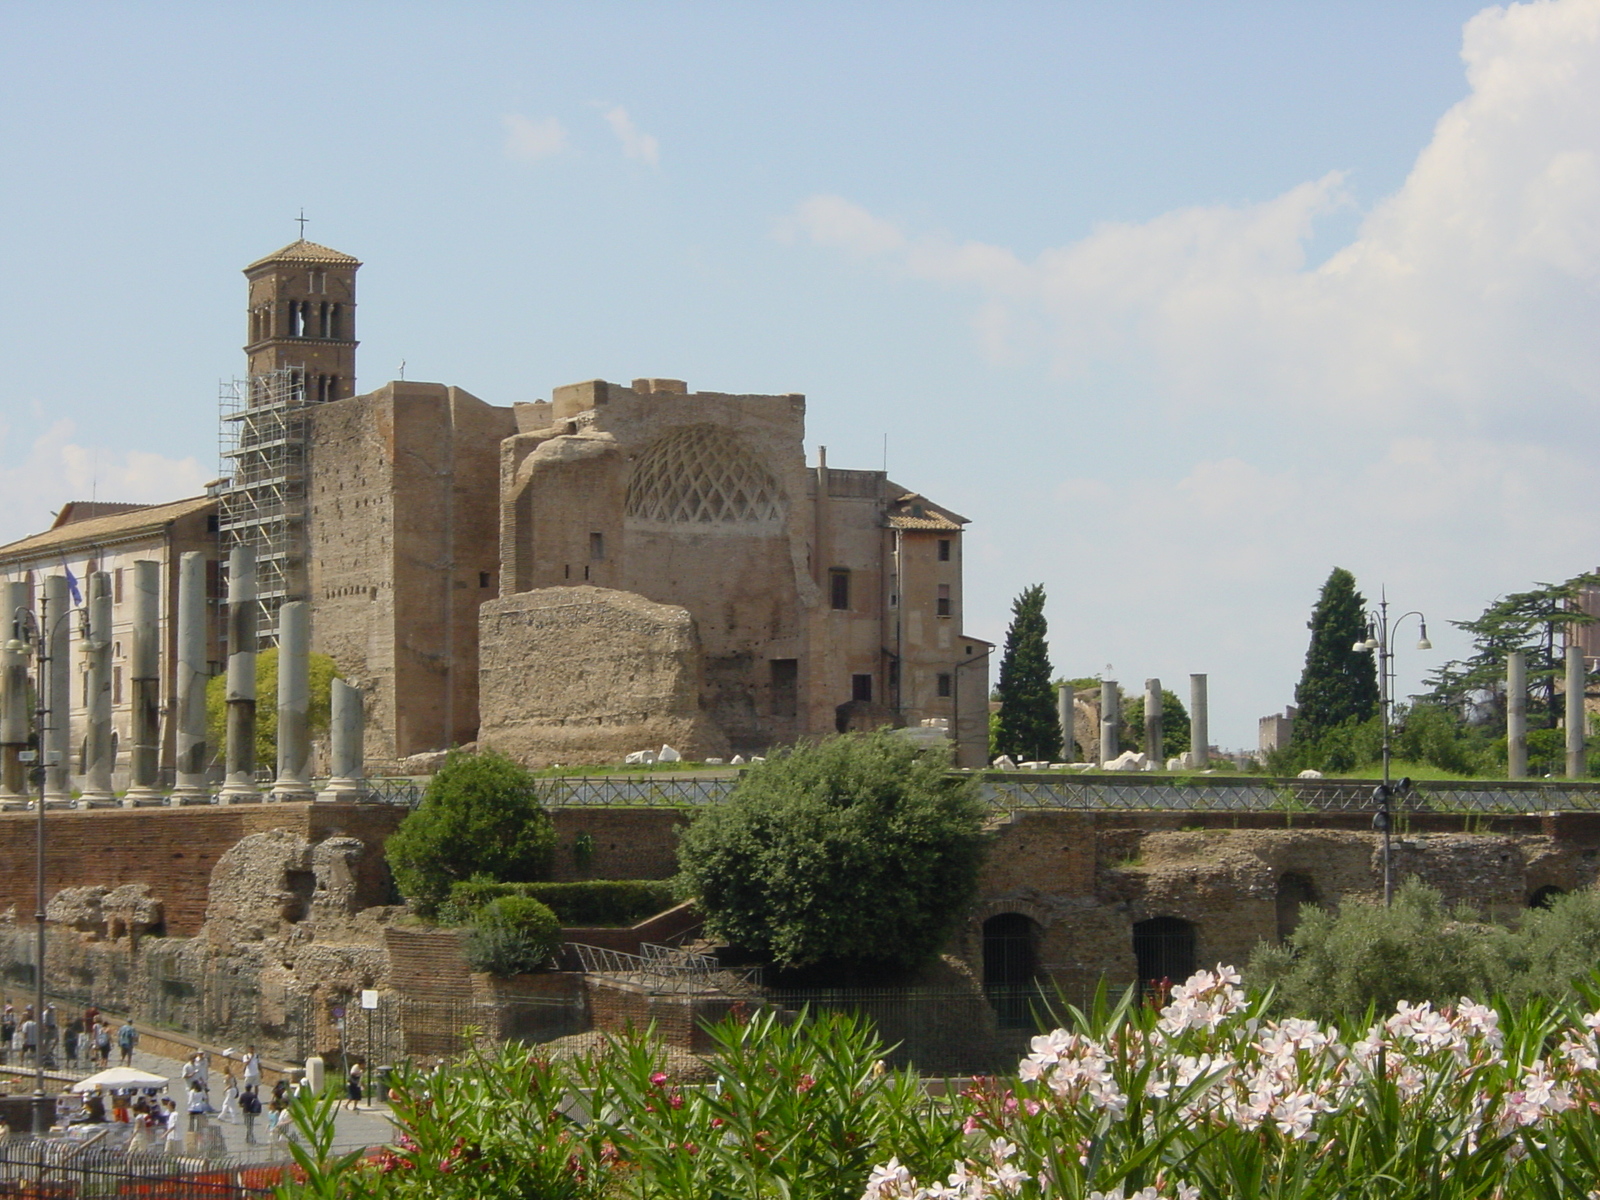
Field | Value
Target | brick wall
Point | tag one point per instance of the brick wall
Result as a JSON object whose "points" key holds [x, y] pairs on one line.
{"points": [[629, 843], [171, 850]]}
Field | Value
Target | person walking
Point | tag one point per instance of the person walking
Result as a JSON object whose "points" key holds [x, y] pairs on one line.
{"points": [[252, 1068], [127, 1039], [250, 1109], [230, 1112], [197, 1107], [8, 1030], [352, 1088], [102, 1044], [28, 1038]]}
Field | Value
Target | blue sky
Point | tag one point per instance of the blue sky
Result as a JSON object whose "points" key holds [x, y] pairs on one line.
{"points": [[1182, 304]]}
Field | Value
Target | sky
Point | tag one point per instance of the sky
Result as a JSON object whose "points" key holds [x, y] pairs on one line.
{"points": [[1182, 304]]}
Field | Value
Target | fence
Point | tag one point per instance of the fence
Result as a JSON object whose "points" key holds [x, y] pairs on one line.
{"points": [[665, 969], [60, 1169], [1013, 793]]}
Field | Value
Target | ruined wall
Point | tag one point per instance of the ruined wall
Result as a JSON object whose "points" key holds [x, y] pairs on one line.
{"points": [[586, 674], [1086, 879], [173, 850]]}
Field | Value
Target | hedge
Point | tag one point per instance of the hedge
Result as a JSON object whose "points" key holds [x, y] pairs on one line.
{"points": [[592, 902]]}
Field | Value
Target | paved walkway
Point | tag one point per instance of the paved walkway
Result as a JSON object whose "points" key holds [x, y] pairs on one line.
{"points": [[370, 1126]]}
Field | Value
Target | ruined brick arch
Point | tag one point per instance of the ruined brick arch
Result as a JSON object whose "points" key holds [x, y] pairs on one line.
{"points": [[702, 475], [1034, 911]]}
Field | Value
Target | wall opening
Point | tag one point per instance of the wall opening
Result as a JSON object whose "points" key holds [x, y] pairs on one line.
{"points": [[1294, 890], [1545, 896], [785, 686], [1010, 942], [839, 588], [861, 688], [1164, 948]]}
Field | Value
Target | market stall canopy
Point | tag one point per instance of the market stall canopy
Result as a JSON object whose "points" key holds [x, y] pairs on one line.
{"points": [[119, 1078]]}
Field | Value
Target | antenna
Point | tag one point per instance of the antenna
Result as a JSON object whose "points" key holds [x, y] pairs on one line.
{"points": [[885, 453], [402, 370]]}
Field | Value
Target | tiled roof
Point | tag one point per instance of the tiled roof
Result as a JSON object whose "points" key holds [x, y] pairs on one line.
{"points": [[306, 252], [98, 530], [914, 511]]}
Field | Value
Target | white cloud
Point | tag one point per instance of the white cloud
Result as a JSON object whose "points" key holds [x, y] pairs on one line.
{"points": [[1422, 407], [55, 468], [640, 147], [529, 139]]}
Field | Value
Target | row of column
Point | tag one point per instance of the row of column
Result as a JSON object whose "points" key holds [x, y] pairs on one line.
{"points": [[1111, 721], [1517, 713], [189, 705]]}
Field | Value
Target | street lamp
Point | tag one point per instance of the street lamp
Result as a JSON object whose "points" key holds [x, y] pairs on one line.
{"points": [[25, 627], [1380, 637]]}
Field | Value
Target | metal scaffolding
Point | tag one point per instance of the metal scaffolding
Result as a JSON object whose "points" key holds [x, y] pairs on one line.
{"points": [[262, 504]]}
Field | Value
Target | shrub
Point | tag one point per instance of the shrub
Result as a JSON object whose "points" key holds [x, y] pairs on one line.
{"points": [[1337, 963], [856, 852], [512, 936], [592, 902], [479, 817]]}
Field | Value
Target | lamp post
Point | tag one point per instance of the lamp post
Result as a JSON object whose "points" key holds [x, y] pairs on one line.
{"points": [[26, 627], [1380, 637]]}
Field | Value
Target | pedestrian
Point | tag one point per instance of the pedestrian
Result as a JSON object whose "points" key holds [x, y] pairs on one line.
{"points": [[28, 1039], [250, 1109], [196, 1069], [197, 1108], [49, 1033], [280, 1090], [102, 1044], [252, 1068], [230, 1111], [70, 1044], [127, 1039], [352, 1088], [8, 1030], [277, 1123]]}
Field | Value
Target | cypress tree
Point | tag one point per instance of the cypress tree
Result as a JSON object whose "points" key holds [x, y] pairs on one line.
{"points": [[1028, 725], [1339, 683]]}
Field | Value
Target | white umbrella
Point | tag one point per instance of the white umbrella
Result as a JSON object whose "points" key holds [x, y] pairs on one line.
{"points": [[117, 1078]]}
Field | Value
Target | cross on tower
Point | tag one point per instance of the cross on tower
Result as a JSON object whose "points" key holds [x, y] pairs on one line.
{"points": [[302, 219]]}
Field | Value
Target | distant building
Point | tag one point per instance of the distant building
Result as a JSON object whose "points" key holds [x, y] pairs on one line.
{"points": [[98, 536], [1277, 730]]}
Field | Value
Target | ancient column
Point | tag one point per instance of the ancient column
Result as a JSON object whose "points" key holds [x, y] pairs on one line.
{"points": [[194, 752], [1199, 733], [1516, 715], [144, 674], [97, 762], [294, 703], [347, 734], [1110, 718], [1064, 714], [56, 624], [240, 787], [14, 695], [1577, 716], [1153, 743]]}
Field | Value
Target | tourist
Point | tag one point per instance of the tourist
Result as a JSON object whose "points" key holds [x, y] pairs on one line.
{"points": [[102, 1044], [252, 1068], [27, 1039], [352, 1088], [198, 1106], [71, 1043], [250, 1108], [230, 1111], [127, 1039], [119, 1108], [93, 1111], [195, 1070], [8, 1030]]}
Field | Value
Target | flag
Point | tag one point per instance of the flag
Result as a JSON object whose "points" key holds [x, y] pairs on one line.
{"points": [[72, 583]]}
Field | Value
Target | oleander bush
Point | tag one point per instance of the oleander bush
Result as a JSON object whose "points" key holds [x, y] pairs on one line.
{"points": [[1209, 1097]]}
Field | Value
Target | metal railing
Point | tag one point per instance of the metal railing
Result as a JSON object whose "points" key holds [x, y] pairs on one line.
{"points": [[58, 1167], [665, 969], [1013, 793]]}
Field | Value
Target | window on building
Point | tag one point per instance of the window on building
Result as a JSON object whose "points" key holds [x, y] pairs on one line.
{"points": [[944, 549], [839, 588], [597, 547], [942, 605], [483, 579], [943, 682], [336, 322], [785, 686], [861, 688]]}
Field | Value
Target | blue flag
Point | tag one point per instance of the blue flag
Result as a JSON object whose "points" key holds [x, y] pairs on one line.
{"points": [[72, 583]]}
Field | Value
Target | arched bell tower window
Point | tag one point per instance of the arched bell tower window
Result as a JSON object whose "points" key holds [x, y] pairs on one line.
{"points": [[702, 475]]}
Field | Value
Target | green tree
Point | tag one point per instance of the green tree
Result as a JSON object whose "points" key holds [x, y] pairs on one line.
{"points": [[321, 673], [480, 816], [1533, 622], [1028, 727], [854, 854], [1174, 724], [1339, 683]]}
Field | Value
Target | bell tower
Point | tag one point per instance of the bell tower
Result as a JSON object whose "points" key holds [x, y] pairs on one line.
{"points": [[302, 317]]}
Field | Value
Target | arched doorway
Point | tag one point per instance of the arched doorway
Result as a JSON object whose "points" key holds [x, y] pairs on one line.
{"points": [[1545, 896], [1010, 943], [1294, 890], [1164, 948]]}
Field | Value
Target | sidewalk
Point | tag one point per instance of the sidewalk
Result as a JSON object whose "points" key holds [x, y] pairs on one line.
{"points": [[370, 1126]]}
